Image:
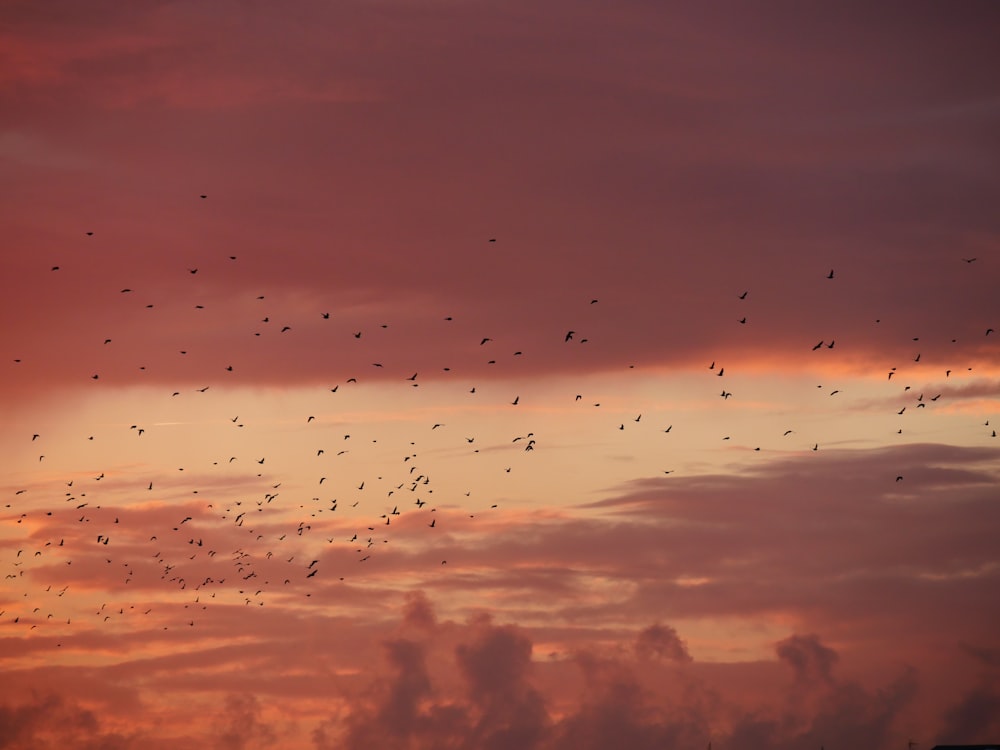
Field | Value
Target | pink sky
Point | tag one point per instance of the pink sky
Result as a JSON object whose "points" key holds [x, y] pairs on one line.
{"points": [[224, 539]]}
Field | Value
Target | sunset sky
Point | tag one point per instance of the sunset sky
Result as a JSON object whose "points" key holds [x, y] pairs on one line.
{"points": [[504, 375]]}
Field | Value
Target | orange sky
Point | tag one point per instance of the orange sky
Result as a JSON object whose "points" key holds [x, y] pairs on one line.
{"points": [[441, 375]]}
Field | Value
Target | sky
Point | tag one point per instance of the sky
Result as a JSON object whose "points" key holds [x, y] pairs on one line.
{"points": [[499, 375]]}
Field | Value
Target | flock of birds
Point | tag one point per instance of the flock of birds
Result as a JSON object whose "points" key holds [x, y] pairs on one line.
{"points": [[245, 549]]}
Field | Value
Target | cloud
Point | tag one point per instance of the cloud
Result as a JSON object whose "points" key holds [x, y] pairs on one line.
{"points": [[496, 702], [49, 722], [478, 684], [811, 660], [974, 717], [244, 728], [418, 611], [661, 642], [496, 667]]}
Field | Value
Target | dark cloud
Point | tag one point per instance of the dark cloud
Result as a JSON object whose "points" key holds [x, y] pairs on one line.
{"points": [[243, 727], [496, 666], [974, 717], [401, 707], [418, 612], [845, 715], [811, 661], [495, 704], [740, 166], [661, 642], [988, 656], [51, 722]]}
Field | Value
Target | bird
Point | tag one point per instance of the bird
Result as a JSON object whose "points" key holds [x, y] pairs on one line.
{"points": [[830, 275]]}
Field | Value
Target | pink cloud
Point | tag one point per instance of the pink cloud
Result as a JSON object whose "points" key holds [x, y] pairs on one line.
{"points": [[697, 171]]}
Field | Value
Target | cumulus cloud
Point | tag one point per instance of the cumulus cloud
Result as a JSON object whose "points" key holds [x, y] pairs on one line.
{"points": [[244, 727], [51, 722], [496, 701], [661, 642], [811, 661]]}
